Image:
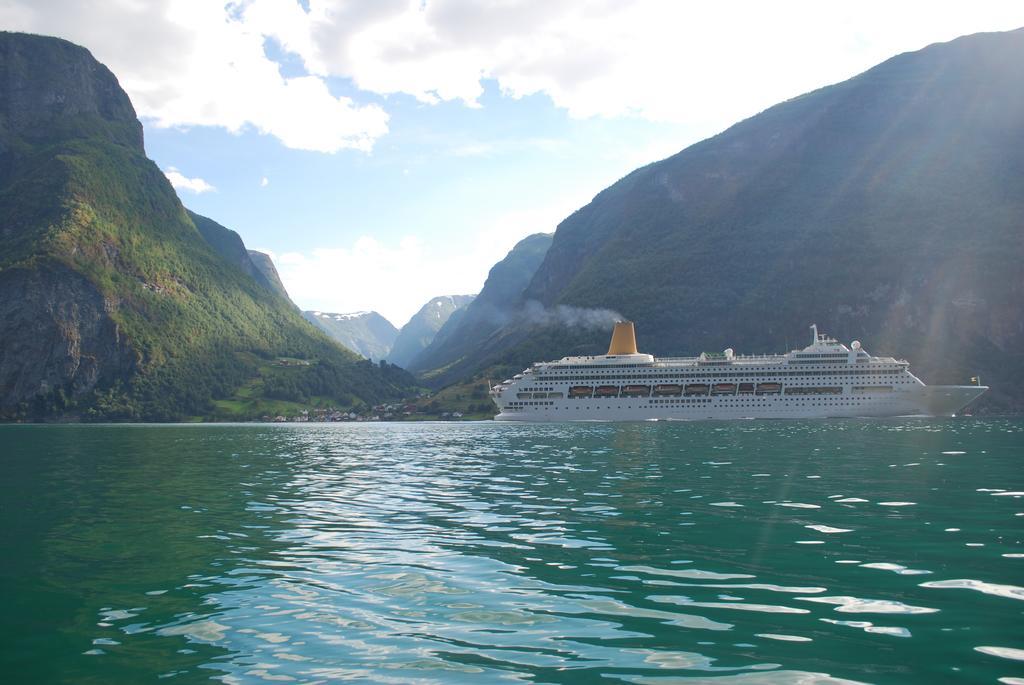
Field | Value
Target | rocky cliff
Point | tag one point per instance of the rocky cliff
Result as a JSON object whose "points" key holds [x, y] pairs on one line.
{"points": [[55, 90], [59, 340]]}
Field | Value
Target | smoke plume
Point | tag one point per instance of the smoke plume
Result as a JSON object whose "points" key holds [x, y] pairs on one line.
{"points": [[567, 316]]}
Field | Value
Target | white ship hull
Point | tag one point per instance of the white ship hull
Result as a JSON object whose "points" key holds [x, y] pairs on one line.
{"points": [[929, 400], [824, 380]]}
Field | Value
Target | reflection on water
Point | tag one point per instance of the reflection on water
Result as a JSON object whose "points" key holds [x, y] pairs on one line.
{"points": [[749, 552]]}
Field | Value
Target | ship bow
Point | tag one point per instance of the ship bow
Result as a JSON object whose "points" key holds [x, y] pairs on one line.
{"points": [[946, 400]]}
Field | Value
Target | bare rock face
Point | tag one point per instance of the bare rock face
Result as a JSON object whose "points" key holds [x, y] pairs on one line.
{"points": [[57, 334], [56, 331], [52, 87]]}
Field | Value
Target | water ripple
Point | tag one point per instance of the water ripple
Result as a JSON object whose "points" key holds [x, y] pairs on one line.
{"points": [[440, 553], [1007, 591]]}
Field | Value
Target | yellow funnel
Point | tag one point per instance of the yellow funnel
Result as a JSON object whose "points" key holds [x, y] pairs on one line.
{"points": [[623, 339]]}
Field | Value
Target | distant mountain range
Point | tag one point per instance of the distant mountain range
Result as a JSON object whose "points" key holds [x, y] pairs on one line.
{"points": [[115, 301], [887, 208], [376, 338], [367, 333], [458, 344], [420, 330]]}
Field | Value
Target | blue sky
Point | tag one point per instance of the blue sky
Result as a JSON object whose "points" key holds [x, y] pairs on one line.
{"points": [[387, 151], [442, 171]]}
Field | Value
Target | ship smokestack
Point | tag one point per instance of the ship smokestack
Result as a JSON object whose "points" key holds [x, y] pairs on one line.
{"points": [[623, 339]]}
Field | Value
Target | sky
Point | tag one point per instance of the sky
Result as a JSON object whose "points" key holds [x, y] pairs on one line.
{"points": [[388, 151]]}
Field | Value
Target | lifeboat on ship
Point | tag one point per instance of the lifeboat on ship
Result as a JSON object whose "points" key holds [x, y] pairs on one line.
{"points": [[606, 391], [723, 389], [668, 390], [697, 389], [636, 391], [578, 391], [746, 389], [769, 388]]}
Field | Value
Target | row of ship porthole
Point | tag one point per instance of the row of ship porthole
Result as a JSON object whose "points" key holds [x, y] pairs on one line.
{"points": [[713, 377], [757, 402], [762, 403], [700, 390], [788, 382], [638, 394], [746, 370], [774, 407]]}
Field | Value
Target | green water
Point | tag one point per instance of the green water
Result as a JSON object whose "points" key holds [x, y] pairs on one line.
{"points": [[746, 552]]}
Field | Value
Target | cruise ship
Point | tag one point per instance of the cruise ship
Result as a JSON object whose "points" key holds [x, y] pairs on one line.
{"points": [[823, 380]]}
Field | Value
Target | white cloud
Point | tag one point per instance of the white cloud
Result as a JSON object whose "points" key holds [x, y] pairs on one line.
{"points": [[201, 63], [367, 274], [264, 182], [397, 278], [197, 62], [182, 182], [694, 63]]}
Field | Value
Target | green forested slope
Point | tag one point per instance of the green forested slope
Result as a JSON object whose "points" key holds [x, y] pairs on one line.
{"points": [[265, 265], [112, 303]]}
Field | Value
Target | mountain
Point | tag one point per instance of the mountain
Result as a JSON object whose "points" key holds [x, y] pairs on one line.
{"points": [[115, 302], [415, 335], [265, 265], [367, 333], [887, 208], [460, 339], [228, 244]]}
